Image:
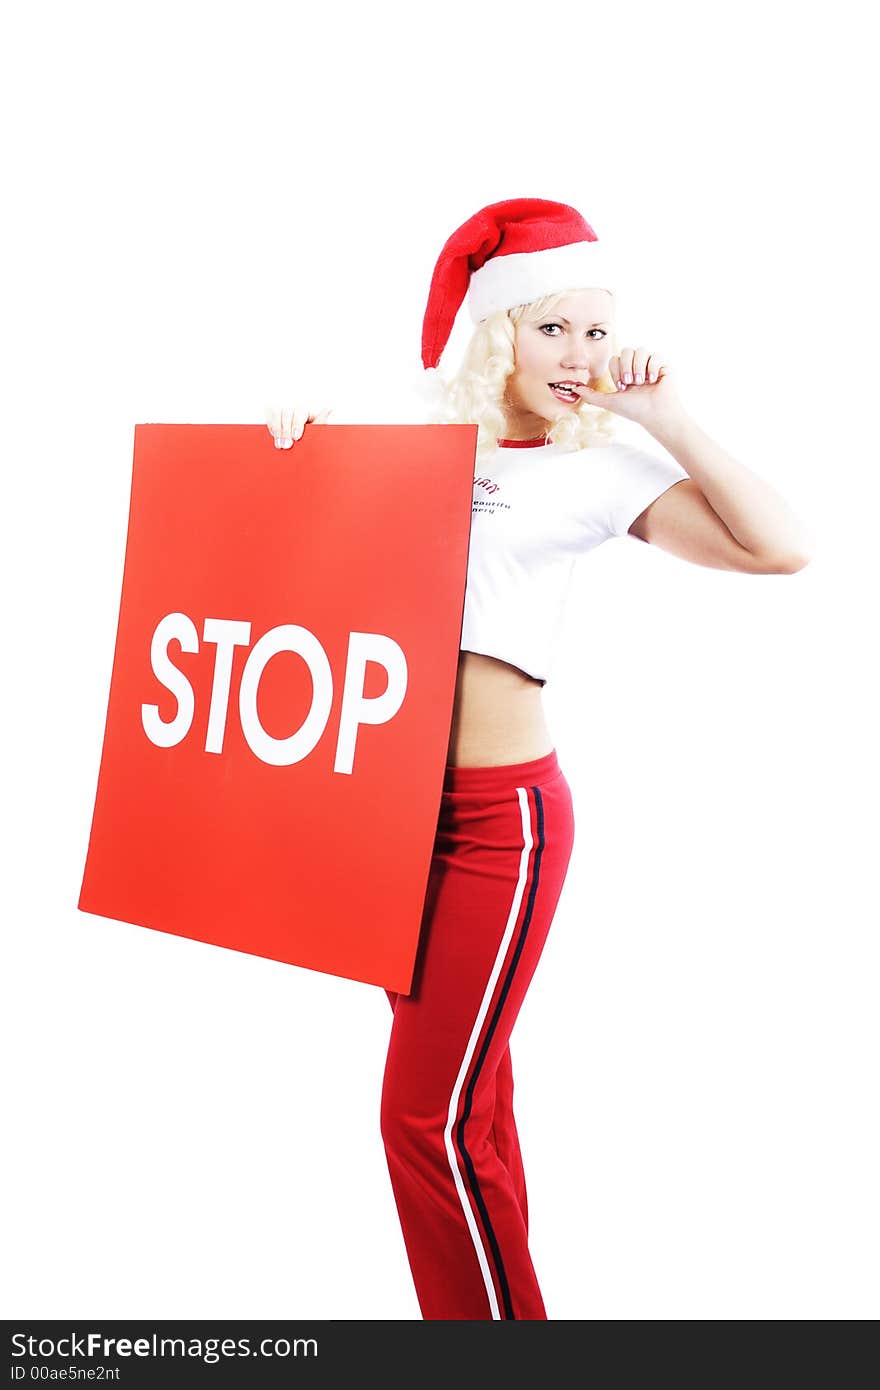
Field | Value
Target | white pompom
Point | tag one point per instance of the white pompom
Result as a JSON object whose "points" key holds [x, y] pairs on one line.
{"points": [[428, 384]]}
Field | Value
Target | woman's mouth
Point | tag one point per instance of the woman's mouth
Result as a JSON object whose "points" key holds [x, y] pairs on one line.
{"points": [[563, 392]]}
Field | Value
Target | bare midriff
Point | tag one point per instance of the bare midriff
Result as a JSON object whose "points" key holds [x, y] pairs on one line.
{"points": [[498, 715]]}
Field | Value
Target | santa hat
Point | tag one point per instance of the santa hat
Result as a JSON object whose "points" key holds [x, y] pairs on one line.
{"points": [[511, 253]]}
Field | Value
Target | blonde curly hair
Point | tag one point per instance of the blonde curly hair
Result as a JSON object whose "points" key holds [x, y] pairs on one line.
{"points": [[474, 394]]}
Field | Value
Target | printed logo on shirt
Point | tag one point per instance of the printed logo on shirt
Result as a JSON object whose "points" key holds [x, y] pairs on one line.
{"points": [[488, 504], [489, 484]]}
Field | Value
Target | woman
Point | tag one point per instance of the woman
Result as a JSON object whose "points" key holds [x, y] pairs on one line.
{"points": [[543, 378]]}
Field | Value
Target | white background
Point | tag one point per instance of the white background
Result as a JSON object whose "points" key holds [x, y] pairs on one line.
{"points": [[213, 207]]}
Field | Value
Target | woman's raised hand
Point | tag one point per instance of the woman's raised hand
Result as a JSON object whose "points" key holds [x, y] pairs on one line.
{"points": [[286, 423]]}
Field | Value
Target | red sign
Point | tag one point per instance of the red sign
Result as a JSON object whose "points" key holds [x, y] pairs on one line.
{"points": [[282, 690]]}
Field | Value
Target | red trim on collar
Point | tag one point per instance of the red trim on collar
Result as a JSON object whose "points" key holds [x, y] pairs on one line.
{"points": [[522, 443]]}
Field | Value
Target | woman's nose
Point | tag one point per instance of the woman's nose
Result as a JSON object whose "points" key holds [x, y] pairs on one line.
{"points": [[579, 357]]}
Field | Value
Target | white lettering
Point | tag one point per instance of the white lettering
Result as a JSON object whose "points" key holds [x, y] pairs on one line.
{"points": [[280, 752], [228, 635], [364, 647], [179, 626]]}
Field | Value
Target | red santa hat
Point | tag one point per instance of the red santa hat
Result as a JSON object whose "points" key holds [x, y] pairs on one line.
{"points": [[507, 254]]}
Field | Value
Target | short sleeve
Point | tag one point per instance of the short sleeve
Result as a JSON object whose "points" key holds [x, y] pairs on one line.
{"points": [[636, 477]]}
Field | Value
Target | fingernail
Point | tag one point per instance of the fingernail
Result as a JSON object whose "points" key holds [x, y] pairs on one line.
{"points": [[640, 380]]}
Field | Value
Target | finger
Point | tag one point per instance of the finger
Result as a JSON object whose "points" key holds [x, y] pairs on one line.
{"points": [[275, 426], [603, 384], [285, 428], [598, 389], [652, 369], [298, 422], [626, 371], [640, 364], [617, 375]]}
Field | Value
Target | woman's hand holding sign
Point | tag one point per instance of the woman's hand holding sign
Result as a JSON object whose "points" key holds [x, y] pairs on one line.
{"points": [[287, 423]]}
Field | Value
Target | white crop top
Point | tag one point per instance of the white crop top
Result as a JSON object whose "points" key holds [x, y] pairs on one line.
{"points": [[536, 508]]}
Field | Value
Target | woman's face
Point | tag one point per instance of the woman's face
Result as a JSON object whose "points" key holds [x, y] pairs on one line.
{"points": [[573, 343]]}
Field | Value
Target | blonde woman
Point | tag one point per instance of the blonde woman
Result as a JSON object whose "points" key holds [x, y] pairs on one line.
{"points": [[543, 377]]}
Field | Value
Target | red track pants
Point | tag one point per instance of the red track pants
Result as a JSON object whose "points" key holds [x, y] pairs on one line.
{"points": [[504, 840]]}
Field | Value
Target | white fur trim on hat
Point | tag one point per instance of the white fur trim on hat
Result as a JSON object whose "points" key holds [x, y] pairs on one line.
{"points": [[523, 276]]}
